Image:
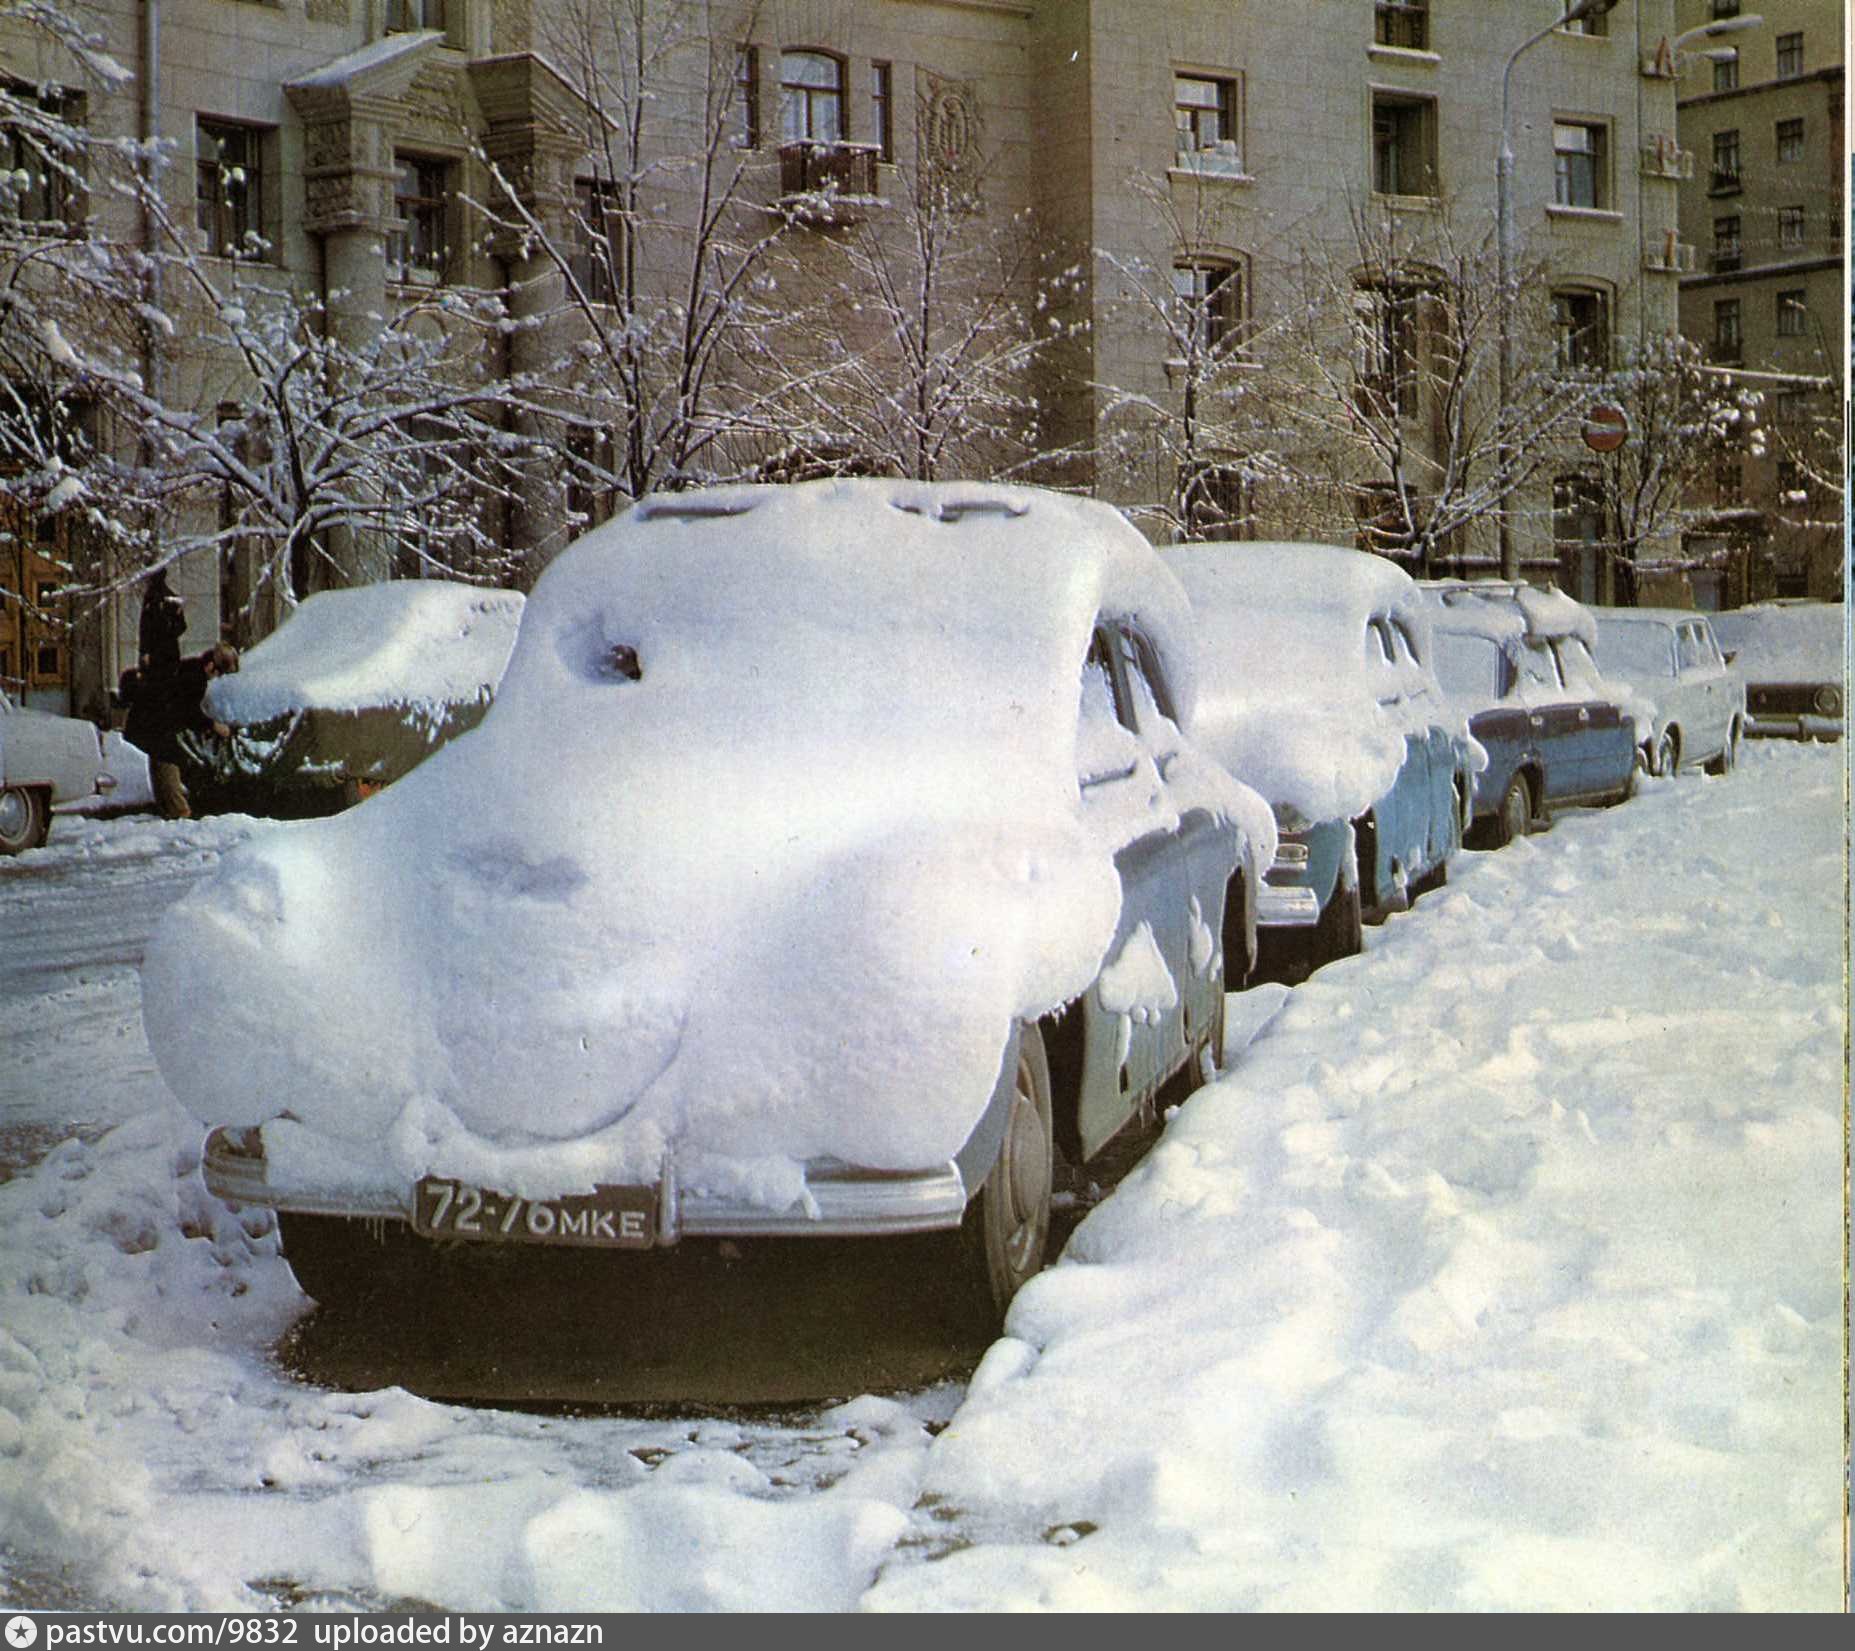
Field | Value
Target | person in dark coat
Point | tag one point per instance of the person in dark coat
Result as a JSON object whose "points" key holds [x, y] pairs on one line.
{"points": [[171, 705], [164, 622]]}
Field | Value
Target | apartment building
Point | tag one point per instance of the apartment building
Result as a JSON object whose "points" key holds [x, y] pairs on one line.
{"points": [[1763, 113], [1203, 171]]}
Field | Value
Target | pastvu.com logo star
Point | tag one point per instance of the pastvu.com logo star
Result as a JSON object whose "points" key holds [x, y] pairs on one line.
{"points": [[21, 1632]]}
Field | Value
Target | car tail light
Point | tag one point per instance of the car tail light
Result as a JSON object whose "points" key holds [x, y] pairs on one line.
{"points": [[1829, 700]]}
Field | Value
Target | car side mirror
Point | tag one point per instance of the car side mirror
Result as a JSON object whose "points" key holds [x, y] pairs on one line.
{"points": [[1730, 655]]}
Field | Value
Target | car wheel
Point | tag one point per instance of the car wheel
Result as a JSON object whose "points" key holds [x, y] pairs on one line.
{"points": [[343, 1262], [1007, 1225], [1728, 758], [1667, 755], [1341, 929], [1515, 815], [25, 819]]}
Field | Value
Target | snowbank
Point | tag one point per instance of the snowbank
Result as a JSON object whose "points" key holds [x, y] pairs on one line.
{"points": [[413, 642], [772, 831]]}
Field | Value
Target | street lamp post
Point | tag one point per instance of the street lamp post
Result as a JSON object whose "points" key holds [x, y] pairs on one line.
{"points": [[1504, 252]]}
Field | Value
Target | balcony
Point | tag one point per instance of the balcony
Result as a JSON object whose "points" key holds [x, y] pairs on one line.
{"points": [[1720, 182], [829, 183], [1663, 157], [1669, 257]]}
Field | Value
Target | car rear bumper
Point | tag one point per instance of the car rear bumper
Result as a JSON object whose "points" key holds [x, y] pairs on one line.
{"points": [[1794, 727], [840, 1201]]}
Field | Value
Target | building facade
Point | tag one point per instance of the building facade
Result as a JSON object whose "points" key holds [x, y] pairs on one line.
{"points": [[1273, 227], [1765, 117]]}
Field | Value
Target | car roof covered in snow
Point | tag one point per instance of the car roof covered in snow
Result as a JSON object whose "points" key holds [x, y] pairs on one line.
{"points": [[1784, 641], [1498, 608], [405, 642]]}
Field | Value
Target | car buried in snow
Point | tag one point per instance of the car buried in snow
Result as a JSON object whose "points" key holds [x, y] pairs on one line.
{"points": [[45, 759], [1791, 654], [353, 690], [1317, 690], [1671, 657], [830, 861], [1519, 663]]}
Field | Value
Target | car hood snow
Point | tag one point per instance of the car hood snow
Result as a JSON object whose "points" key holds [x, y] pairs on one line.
{"points": [[772, 832]]}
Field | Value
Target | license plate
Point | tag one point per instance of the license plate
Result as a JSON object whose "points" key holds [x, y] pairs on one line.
{"points": [[607, 1218]]}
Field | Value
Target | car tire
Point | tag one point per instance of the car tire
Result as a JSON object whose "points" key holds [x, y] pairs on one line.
{"points": [[1667, 755], [1435, 878], [1514, 818], [1340, 931], [340, 1262], [1728, 759], [1007, 1225], [25, 819]]}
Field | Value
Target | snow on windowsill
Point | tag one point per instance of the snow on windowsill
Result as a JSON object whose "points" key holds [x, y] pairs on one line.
{"points": [[1403, 54], [1591, 214], [1223, 162]]}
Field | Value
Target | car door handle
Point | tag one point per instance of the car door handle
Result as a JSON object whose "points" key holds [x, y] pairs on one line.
{"points": [[1538, 722], [1584, 716]]}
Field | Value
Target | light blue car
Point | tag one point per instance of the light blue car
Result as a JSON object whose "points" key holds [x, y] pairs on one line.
{"points": [[1317, 689]]}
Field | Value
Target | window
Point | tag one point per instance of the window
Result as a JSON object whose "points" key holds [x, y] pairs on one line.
{"points": [[1793, 484], [1793, 312], [1728, 483], [1728, 336], [38, 170], [882, 109], [1790, 226], [1596, 23], [747, 97], [1580, 329], [1789, 406], [403, 16], [1403, 145], [1204, 112], [1726, 70], [1215, 501], [811, 97], [1725, 179], [1790, 140], [230, 188], [1790, 56], [600, 265], [417, 252], [1726, 248], [1578, 164], [1388, 321], [1208, 300], [1725, 8], [1406, 25], [591, 498]]}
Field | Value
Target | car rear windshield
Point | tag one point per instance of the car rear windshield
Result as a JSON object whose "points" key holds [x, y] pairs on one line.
{"points": [[1632, 649]]}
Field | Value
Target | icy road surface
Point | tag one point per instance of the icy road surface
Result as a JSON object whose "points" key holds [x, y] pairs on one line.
{"points": [[1504, 1270]]}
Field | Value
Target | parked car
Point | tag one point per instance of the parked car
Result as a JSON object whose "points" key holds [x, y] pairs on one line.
{"points": [[1792, 657], [353, 690], [1672, 657], [1318, 690], [1519, 663], [45, 759], [830, 858]]}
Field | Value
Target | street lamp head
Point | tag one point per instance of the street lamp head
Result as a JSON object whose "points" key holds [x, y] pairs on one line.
{"points": [[1587, 8], [1718, 27]]}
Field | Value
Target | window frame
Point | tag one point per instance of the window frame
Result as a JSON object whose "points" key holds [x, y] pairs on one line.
{"points": [[1726, 71], [1416, 118], [1580, 347], [431, 14], [1213, 315], [1728, 244], [225, 221], [1188, 115], [1792, 227], [601, 222], [1790, 137], [1725, 178], [1595, 168], [1594, 26], [432, 212], [806, 97], [60, 187], [1791, 312], [882, 109], [747, 132], [1729, 326], [1790, 55], [1410, 18]]}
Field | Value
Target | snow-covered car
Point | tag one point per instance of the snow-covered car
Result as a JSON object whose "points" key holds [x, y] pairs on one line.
{"points": [[45, 759], [1671, 657], [1519, 662], [1792, 657], [352, 691], [1318, 691], [830, 856]]}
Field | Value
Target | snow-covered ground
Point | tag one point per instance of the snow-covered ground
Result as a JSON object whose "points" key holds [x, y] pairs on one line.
{"points": [[1503, 1269]]}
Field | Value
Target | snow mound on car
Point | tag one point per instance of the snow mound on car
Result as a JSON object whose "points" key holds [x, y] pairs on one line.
{"points": [[409, 642], [1784, 643], [771, 833], [1286, 701]]}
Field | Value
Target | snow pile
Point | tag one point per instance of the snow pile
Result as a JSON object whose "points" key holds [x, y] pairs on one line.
{"points": [[772, 831], [1289, 701], [1785, 643], [411, 642], [1504, 1272]]}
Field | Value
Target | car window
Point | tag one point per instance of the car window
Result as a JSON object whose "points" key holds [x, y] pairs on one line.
{"points": [[1377, 644], [1106, 748], [1537, 666], [1688, 651], [1379, 654], [1469, 667], [1576, 665], [1709, 647], [1147, 682], [1632, 649], [1404, 645]]}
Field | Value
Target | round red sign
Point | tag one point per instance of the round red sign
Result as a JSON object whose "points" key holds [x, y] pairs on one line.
{"points": [[1606, 427]]}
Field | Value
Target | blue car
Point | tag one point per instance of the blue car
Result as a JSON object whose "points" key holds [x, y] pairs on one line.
{"points": [[1316, 688], [1519, 663]]}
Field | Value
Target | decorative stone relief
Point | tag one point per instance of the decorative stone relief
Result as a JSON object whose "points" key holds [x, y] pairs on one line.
{"points": [[949, 131]]}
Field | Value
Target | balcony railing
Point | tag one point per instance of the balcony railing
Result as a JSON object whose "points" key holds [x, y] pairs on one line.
{"points": [[1722, 182], [1725, 260], [1663, 157], [830, 182]]}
